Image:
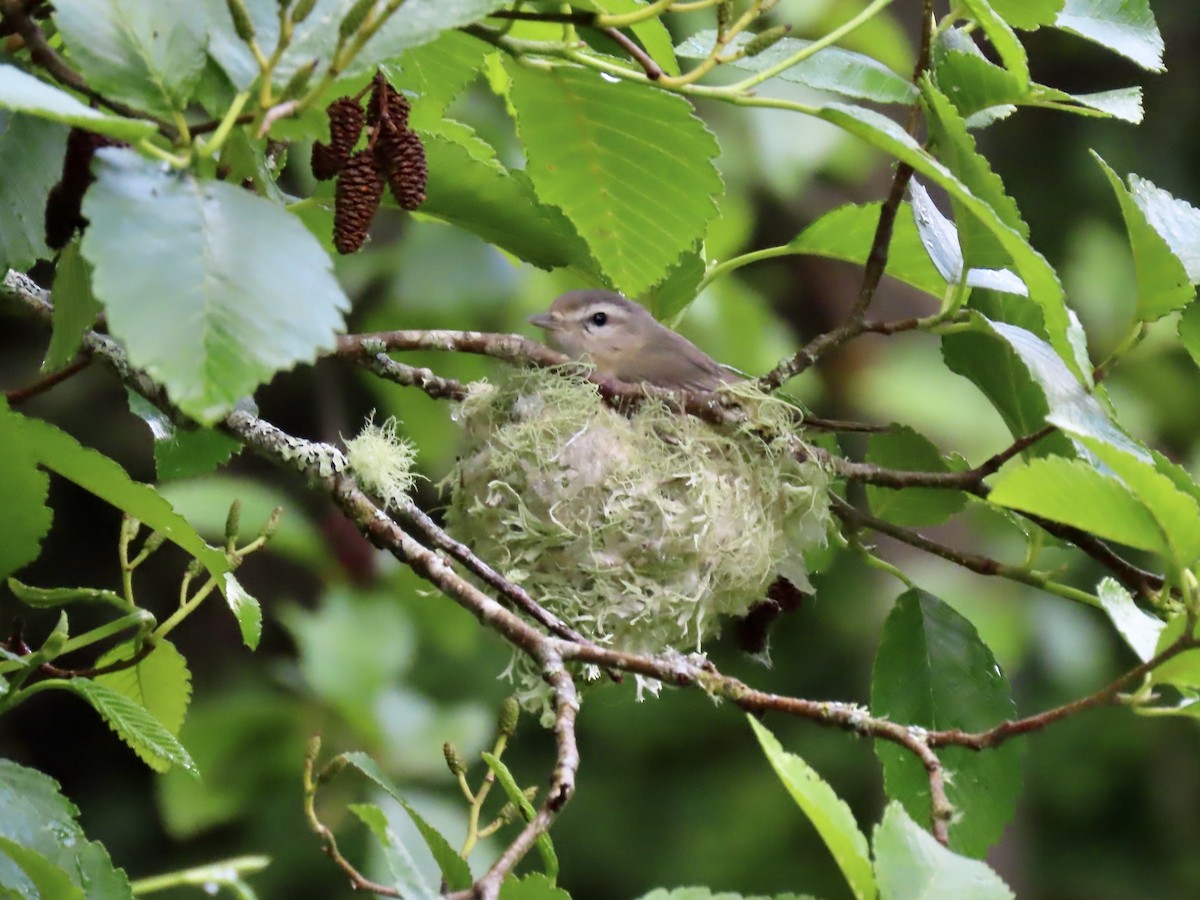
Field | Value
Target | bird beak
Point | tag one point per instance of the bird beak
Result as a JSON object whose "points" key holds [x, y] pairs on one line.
{"points": [[546, 321]]}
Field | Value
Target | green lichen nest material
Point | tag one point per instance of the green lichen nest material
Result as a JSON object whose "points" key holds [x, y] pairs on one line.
{"points": [[638, 530]]}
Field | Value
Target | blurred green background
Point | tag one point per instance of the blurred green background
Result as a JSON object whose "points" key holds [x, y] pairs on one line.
{"points": [[671, 791]]}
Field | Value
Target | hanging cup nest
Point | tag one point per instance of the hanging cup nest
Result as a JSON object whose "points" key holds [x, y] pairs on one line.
{"points": [[638, 530]]}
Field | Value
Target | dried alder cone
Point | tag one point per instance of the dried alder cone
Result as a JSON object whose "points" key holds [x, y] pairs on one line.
{"points": [[404, 157], [394, 154], [65, 200], [359, 190], [345, 125]]}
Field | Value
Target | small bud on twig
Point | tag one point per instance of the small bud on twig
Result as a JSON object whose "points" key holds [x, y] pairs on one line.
{"points": [[354, 18], [243, 25], [453, 761], [724, 15], [272, 523], [765, 39], [299, 80], [233, 521], [510, 711], [301, 10]]}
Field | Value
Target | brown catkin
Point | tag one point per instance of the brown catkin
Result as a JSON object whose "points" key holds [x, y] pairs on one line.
{"points": [[359, 190], [395, 106], [64, 202], [345, 126], [403, 158]]}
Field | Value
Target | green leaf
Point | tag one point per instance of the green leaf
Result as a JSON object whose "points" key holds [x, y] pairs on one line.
{"points": [[1075, 492], [454, 869], [1027, 14], [973, 84], [24, 517], [181, 452], [212, 289], [829, 69], [48, 598], [1163, 285], [932, 670], [1120, 103], [911, 865], [135, 725], [995, 368], [484, 198], [75, 307], [147, 54], [1037, 274], [534, 886], [1189, 330], [39, 818], [31, 152], [900, 447], [245, 609], [49, 882], [1177, 221], [982, 246], [1175, 512], [1181, 671], [1140, 629], [1071, 407], [1007, 44], [1124, 26], [847, 232], [826, 810], [96, 473], [437, 73], [370, 768], [415, 23], [21, 92], [982, 91], [939, 237], [631, 168], [405, 876], [674, 294], [517, 796], [160, 683]]}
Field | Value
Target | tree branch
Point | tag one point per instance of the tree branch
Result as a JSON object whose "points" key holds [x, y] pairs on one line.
{"points": [[982, 565], [17, 396], [1108, 694]]}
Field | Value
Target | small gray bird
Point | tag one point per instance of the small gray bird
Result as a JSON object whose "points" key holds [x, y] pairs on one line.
{"points": [[626, 342]]}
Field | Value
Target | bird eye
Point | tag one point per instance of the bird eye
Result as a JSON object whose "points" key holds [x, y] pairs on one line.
{"points": [[599, 318]]}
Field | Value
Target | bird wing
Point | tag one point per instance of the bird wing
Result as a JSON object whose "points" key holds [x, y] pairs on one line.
{"points": [[675, 363]]}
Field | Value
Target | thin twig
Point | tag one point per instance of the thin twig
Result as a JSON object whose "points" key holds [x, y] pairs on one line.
{"points": [[17, 396], [982, 565], [649, 66], [1107, 695], [877, 257]]}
